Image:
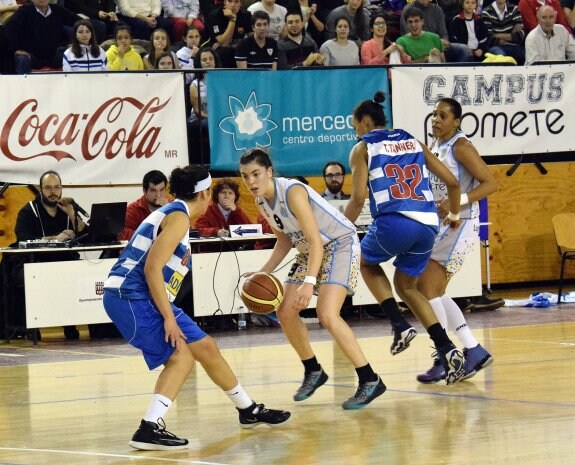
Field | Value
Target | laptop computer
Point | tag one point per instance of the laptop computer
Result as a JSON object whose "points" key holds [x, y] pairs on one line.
{"points": [[105, 224]]}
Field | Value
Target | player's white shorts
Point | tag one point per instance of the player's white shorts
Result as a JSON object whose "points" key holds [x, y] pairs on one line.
{"points": [[340, 265], [452, 245]]}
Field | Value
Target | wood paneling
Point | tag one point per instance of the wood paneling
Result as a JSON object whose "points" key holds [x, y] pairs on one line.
{"points": [[11, 201]]}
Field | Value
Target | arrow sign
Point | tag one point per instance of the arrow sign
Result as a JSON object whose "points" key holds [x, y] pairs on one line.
{"points": [[242, 230]]}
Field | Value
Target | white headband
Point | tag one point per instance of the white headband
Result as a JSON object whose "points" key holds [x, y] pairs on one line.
{"points": [[203, 184]]}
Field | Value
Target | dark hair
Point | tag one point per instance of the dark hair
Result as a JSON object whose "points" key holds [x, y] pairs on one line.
{"points": [[345, 18], [454, 106], [336, 163], [358, 20], [188, 29], [154, 177], [183, 181], [162, 55], [412, 12], [45, 173], [94, 47], [378, 14], [294, 11], [152, 55], [123, 27], [198, 59], [225, 183], [373, 109], [257, 155], [260, 15]]}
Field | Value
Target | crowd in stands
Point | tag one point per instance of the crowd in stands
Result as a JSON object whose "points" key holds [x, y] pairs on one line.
{"points": [[132, 35]]}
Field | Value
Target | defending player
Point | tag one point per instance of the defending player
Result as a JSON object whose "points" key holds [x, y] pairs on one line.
{"points": [[327, 264], [394, 167]]}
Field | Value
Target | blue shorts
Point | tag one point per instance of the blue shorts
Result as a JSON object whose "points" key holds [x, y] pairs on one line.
{"points": [[142, 325], [395, 235]]}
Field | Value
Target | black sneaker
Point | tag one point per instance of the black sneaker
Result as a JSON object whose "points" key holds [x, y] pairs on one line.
{"points": [[484, 302], [311, 382], [365, 393], [153, 436], [403, 334], [257, 414]]}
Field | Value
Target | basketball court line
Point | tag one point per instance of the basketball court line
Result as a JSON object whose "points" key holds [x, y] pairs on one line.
{"points": [[121, 456]]}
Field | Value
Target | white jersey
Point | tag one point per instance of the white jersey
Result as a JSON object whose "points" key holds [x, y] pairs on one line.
{"points": [[444, 152], [331, 222]]}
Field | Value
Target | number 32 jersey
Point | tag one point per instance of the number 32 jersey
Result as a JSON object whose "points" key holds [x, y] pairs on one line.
{"points": [[398, 176]]}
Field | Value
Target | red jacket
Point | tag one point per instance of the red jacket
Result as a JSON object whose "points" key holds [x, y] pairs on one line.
{"points": [[136, 212], [212, 221]]}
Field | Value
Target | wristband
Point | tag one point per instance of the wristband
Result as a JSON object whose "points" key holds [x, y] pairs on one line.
{"points": [[464, 200], [310, 280], [453, 216]]}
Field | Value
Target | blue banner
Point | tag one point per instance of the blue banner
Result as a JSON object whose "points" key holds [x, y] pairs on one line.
{"points": [[301, 117]]}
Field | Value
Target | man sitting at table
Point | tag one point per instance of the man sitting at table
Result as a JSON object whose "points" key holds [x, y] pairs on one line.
{"points": [[48, 217]]}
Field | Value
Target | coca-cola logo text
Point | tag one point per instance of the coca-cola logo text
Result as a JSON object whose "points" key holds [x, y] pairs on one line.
{"points": [[105, 131]]}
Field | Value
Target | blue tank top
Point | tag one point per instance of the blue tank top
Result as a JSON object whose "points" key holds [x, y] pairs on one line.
{"points": [[398, 176], [127, 279]]}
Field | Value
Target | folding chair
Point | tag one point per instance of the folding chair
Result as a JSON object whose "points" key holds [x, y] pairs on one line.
{"points": [[564, 229]]}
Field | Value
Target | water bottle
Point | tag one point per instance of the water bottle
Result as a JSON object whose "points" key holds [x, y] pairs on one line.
{"points": [[242, 323]]}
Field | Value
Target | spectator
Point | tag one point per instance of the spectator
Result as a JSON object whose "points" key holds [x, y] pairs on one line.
{"points": [[548, 41], [277, 14], [189, 51], [84, 54], [434, 21], [314, 17], [165, 60], [154, 186], [505, 29], [357, 17], [36, 34], [228, 25], [378, 50], [569, 12], [121, 55], [529, 8], [222, 211], [183, 14], [334, 176], [420, 45], [143, 17], [468, 29], [102, 14], [340, 51], [258, 51], [297, 49], [199, 144], [159, 43]]}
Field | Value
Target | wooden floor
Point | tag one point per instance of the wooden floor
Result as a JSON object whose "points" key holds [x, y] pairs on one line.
{"points": [[79, 402]]}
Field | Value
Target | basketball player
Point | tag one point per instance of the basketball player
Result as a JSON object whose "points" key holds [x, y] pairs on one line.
{"points": [[461, 158], [138, 298], [327, 264], [395, 168]]}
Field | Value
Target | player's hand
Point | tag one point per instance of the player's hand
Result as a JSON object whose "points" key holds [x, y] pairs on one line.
{"points": [[303, 296], [174, 334], [443, 208], [452, 224]]}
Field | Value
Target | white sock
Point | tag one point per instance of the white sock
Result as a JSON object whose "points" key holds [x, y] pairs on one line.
{"points": [[158, 408], [457, 324], [439, 311], [239, 397]]}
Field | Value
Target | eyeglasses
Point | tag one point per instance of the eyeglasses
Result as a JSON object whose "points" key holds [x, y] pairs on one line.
{"points": [[333, 176], [52, 188], [379, 23]]}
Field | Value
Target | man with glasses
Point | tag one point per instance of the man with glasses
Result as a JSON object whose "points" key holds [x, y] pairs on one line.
{"points": [[334, 175]]}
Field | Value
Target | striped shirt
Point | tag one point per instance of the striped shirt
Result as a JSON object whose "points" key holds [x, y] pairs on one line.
{"points": [[86, 61], [503, 22]]}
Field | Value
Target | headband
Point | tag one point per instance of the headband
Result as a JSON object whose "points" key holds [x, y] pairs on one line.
{"points": [[203, 184]]}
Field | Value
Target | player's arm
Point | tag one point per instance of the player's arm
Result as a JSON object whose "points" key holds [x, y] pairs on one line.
{"points": [[453, 190], [298, 202], [466, 154], [359, 179], [173, 228]]}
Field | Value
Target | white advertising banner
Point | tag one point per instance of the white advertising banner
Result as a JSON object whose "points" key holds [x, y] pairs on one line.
{"points": [[507, 110], [91, 128]]}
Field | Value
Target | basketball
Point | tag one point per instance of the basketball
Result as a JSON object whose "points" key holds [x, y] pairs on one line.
{"points": [[262, 293]]}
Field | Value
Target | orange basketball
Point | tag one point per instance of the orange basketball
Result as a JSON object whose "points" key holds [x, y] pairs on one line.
{"points": [[262, 293]]}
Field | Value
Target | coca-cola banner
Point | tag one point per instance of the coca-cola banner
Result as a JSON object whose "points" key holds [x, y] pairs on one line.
{"points": [[507, 110], [91, 128]]}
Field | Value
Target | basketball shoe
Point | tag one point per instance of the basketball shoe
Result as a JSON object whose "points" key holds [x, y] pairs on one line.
{"points": [[365, 393], [452, 360], [154, 436], [403, 334], [435, 374], [311, 382], [257, 414], [476, 358]]}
